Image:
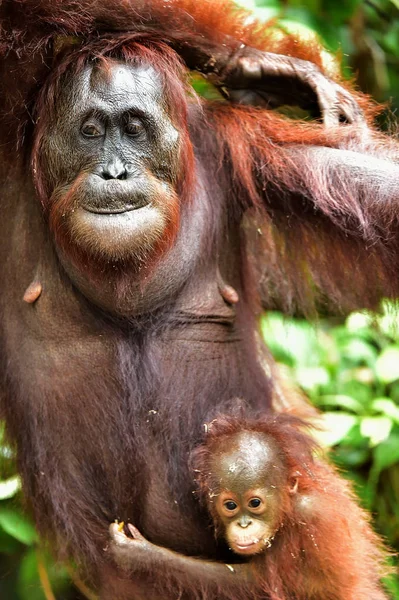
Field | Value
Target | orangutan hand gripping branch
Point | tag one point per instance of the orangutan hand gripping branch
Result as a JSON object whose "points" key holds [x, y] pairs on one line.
{"points": [[142, 230], [277, 507]]}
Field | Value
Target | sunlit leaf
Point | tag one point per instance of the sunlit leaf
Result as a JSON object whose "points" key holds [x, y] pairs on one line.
{"points": [[312, 377], [358, 352], [296, 339], [9, 487], [387, 407], [377, 429], [249, 4], [335, 427], [358, 320], [268, 3], [387, 364]]}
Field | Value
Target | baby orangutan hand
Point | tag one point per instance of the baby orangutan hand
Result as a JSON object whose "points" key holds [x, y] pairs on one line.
{"points": [[126, 549]]}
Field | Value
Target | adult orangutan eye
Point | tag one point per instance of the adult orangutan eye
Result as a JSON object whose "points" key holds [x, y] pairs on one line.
{"points": [[230, 505], [255, 502], [91, 130], [134, 127]]}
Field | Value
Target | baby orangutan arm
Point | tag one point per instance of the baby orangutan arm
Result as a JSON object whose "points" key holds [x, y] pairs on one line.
{"points": [[138, 555]]}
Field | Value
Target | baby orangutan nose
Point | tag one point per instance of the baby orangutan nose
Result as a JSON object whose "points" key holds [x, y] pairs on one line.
{"points": [[244, 522]]}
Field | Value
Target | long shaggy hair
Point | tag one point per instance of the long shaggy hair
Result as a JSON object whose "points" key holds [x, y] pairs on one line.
{"points": [[325, 546]]}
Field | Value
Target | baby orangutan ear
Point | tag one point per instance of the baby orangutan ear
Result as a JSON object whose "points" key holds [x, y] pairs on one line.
{"points": [[293, 482]]}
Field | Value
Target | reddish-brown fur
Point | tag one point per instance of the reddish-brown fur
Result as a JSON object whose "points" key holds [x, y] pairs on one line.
{"points": [[325, 547], [104, 411]]}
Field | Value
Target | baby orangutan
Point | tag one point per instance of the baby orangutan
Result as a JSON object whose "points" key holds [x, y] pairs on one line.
{"points": [[280, 509]]}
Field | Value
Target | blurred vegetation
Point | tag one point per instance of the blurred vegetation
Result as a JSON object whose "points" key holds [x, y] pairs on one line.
{"points": [[349, 369]]}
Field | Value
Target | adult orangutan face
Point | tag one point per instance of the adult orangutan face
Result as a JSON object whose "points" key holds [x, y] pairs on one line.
{"points": [[110, 161]]}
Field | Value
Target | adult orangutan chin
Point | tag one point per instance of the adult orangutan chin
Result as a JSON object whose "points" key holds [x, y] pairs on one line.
{"points": [[141, 231]]}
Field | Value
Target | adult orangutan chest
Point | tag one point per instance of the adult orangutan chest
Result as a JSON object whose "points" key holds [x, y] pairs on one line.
{"points": [[170, 516]]}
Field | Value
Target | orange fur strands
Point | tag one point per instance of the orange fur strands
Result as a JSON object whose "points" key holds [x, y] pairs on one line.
{"points": [[324, 546], [214, 19], [295, 195], [294, 445]]}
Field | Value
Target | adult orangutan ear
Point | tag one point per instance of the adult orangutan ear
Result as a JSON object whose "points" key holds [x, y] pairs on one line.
{"points": [[63, 43]]}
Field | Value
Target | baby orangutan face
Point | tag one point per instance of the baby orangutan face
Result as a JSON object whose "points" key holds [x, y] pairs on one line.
{"points": [[252, 488]]}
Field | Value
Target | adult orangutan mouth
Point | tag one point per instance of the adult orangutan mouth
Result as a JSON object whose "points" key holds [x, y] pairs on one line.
{"points": [[117, 210], [112, 211]]}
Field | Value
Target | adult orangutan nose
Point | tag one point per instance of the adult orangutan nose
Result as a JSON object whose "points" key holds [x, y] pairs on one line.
{"points": [[114, 169]]}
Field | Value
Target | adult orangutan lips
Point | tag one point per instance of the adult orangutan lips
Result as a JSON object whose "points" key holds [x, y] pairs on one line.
{"points": [[113, 211]]}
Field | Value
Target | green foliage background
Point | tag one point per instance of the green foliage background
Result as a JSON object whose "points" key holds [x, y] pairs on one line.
{"points": [[349, 368]]}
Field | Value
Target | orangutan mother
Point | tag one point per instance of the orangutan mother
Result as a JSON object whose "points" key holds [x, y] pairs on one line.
{"points": [[141, 231]]}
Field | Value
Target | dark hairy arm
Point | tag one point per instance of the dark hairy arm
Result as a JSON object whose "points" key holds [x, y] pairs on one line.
{"points": [[138, 555], [246, 75]]}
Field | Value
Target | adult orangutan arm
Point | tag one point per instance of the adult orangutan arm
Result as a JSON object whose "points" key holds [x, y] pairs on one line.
{"points": [[246, 75], [335, 228]]}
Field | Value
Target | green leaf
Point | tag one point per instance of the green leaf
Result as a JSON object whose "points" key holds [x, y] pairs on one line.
{"points": [[335, 427], [249, 4], [9, 487], [29, 586], [387, 365], [341, 401], [266, 14], [268, 3], [355, 389], [311, 378], [349, 458], [340, 12], [17, 525], [8, 544], [387, 407], [357, 352], [377, 429], [386, 454], [295, 339], [358, 320]]}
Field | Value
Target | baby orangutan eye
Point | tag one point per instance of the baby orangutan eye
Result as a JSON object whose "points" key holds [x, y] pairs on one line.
{"points": [[254, 502], [230, 505]]}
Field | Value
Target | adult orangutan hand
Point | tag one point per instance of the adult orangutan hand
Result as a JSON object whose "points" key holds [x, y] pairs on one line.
{"points": [[272, 80]]}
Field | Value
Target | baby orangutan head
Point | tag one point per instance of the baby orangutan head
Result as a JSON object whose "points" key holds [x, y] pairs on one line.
{"points": [[247, 486]]}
